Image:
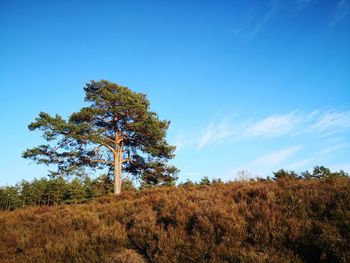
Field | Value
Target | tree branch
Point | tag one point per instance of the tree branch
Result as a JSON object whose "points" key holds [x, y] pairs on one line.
{"points": [[100, 161], [61, 145], [106, 138], [109, 147]]}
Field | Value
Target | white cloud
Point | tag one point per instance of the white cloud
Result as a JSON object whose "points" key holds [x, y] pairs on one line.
{"points": [[272, 159], [332, 121], [295, 123], [272, 126], [215, 132], [318, 157]]}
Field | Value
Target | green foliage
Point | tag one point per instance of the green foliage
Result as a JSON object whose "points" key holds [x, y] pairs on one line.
{"points": [[319, 172], [283, 174], [57, 190], [205, 181], [116, 131], [249, 221]]}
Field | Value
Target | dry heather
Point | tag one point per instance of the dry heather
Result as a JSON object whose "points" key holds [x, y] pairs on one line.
{"points": [[264, 221]]}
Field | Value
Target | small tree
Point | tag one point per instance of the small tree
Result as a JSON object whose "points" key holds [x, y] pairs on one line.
{"points": [[205, 181], [117, 130], [283, 174], [321, 172]]}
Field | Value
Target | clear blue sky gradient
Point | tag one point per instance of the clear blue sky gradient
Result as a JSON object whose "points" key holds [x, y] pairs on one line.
{"points": [[248, 85]]}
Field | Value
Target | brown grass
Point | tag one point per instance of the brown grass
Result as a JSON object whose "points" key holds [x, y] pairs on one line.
{"points": [[265, 221]]}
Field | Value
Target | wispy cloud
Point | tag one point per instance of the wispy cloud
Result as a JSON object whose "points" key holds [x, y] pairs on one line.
{"points": [[332, 149], [265, 164], [215, 132], [341, 11], [295, 123], [275, 158], [332, 121], [317, 157], [299, 164], [179, 142], [258, 16], [262, 21], [272, 126]]}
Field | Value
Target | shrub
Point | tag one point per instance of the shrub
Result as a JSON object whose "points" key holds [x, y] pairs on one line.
{"points": [[250, 221]]}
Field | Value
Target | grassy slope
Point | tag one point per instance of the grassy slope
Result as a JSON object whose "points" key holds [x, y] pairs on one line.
{"points": [[284, 221]]}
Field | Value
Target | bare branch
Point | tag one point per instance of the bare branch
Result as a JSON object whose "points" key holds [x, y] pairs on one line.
{"points": [[126, 160], [100, 161], [106, 138], [109, 147]]}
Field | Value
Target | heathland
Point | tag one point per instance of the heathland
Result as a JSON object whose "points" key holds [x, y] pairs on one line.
{"points": [[287, 219]]}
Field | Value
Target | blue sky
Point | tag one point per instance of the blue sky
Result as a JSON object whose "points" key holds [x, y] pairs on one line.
{"points": [[248, 85]]}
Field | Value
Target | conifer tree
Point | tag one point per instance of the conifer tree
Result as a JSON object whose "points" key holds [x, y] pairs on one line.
{"points": [[117, 130]]}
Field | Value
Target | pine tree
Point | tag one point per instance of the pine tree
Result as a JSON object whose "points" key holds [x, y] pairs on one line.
{"points": [[76, 191], [26, 192], [117, 130]]}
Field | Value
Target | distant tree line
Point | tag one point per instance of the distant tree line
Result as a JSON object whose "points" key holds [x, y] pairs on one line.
{"points": [[319, 172], [59, 190], [56, 190]]}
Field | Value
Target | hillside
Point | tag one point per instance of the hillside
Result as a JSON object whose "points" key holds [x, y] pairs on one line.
{"points": [[256, 221]]}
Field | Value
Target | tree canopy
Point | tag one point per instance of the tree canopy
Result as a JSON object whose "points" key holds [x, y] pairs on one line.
{"points": [[117, 131]]}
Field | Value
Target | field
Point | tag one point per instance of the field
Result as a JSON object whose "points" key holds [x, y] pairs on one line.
{"points": [[285, 220]]}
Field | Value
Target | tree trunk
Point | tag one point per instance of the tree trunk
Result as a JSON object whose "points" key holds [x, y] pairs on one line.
{"points": [[117, 175]]}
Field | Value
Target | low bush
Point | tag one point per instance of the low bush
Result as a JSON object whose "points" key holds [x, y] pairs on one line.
{"points": [[252, 221]]}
